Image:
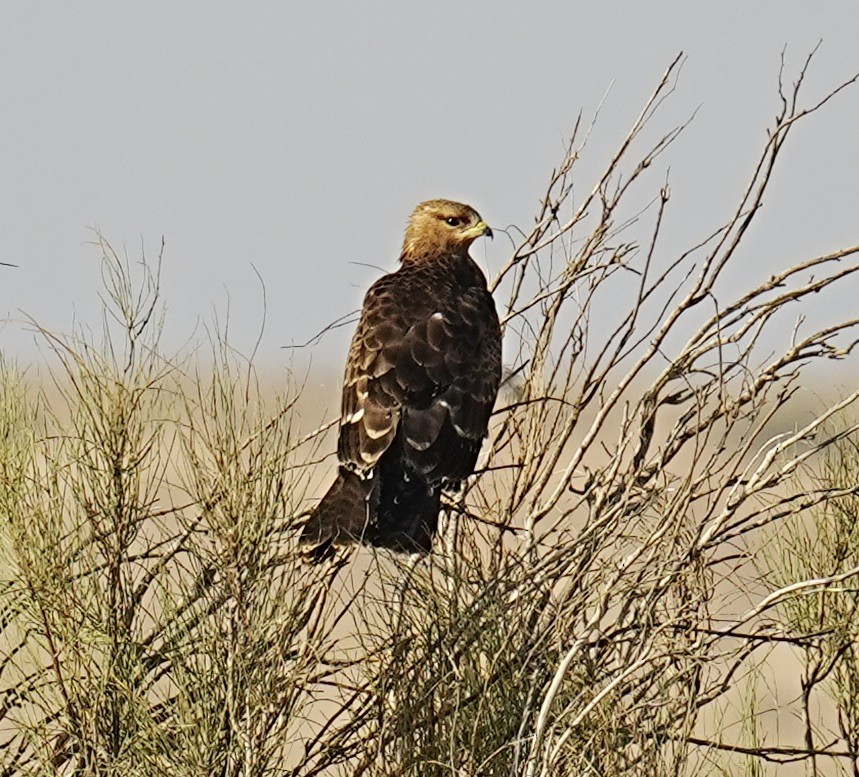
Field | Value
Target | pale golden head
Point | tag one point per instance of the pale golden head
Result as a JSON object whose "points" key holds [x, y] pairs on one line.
{"points": [[439, 227]]}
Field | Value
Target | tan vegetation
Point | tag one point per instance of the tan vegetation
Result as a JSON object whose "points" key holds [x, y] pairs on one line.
{"points": [[647, 534]]}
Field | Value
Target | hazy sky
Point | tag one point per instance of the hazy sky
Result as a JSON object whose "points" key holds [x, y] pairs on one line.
{"points": [[297, 137]]}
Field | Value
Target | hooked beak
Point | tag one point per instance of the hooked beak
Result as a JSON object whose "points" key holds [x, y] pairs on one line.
{"points": [[480, 229]]}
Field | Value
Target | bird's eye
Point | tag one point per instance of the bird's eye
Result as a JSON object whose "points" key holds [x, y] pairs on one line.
{"points": [[453, 221]]}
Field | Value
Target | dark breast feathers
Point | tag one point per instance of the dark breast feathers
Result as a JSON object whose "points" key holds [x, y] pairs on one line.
{"points": [[421, 380]]}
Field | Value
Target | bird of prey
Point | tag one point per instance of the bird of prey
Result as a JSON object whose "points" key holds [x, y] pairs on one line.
{"points": [[421, 379]]}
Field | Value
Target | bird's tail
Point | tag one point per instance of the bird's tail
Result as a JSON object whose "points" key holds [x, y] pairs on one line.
{"points": [[407, 512], [340, 517]]}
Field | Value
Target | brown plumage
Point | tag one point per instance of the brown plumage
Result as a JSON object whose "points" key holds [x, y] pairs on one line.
{"points": [[421, 379]]}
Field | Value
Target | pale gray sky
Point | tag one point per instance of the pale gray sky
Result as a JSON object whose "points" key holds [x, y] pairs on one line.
{"points": [[298, 136]]}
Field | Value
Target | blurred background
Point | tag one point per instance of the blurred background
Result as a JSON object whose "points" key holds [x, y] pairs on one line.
{"points": [[292, 140]]}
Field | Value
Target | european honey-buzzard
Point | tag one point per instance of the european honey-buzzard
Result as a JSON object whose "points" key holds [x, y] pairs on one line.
{"points": [[421, 380]]}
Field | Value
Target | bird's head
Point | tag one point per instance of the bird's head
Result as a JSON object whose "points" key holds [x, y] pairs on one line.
{"points": [[442, 227]]}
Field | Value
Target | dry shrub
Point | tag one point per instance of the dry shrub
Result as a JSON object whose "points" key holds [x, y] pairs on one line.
{"points": [[597, 592]]}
